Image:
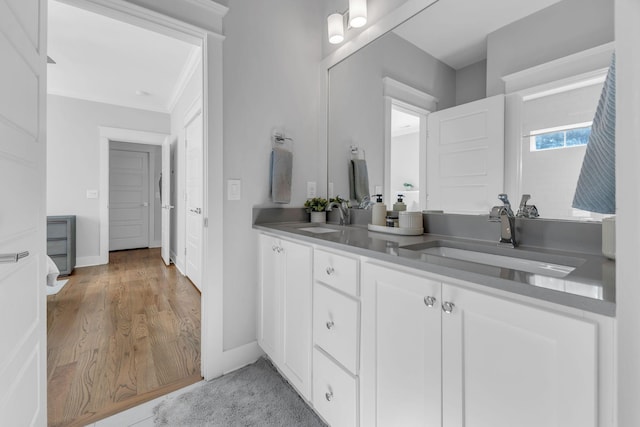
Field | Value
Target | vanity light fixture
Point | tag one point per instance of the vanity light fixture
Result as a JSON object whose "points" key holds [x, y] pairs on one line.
{"points": [[357, 17], [357, 13], [335, 25]]}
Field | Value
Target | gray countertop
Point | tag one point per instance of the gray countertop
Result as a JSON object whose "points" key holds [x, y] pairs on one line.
{"points": [[590, 287]]}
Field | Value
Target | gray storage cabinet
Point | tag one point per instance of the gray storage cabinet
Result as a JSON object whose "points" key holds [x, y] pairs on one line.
{"points": [[61, 242]]}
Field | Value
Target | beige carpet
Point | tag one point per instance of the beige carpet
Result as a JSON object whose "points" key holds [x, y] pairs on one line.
{"points": [[255, 395]]}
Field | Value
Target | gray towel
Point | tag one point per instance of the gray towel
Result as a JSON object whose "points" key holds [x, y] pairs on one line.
{"points": [[280, 175], [358, 180], [596, 189]]}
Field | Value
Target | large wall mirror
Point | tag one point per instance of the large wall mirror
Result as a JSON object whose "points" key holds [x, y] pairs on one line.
{"points": [[542, 62]]}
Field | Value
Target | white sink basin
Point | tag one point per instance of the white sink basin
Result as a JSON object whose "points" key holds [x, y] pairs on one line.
{"points": [[318, 230], [521, 264]]}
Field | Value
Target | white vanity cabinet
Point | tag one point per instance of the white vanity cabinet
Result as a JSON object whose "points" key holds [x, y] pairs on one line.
{"points": [[438, 354], [336, 337], [285, 308]]}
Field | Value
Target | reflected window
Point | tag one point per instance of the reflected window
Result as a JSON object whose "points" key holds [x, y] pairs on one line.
{"points": [[575, 135]]}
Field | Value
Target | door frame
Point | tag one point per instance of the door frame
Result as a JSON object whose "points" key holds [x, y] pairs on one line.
{"points": [[213, 360], [107, 136]]}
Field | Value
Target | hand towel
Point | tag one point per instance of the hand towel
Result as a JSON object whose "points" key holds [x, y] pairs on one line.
{"points": [[596, 189], [358, 180], [280, 175]]}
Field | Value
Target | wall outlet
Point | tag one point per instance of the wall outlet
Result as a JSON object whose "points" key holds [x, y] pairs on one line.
{"points": [[378, 189], [92, 194], [311, 189], [331, 195]]}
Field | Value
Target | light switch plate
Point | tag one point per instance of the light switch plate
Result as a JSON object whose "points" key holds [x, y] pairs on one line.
{"points": [[92, 194], [234, 189], [378, 189], [311, 189]]}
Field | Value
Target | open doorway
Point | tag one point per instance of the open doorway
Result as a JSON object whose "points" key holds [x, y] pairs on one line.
{"points": [[126, 327]]}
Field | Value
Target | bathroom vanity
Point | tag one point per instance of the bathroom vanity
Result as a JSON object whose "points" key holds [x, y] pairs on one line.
{"points": [[381, 330]]}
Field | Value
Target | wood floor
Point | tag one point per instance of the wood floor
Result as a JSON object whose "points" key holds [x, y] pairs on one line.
{"points": [[119, 335]]}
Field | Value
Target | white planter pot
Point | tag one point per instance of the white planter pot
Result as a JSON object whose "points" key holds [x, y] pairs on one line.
{"points": [[319, 217]]}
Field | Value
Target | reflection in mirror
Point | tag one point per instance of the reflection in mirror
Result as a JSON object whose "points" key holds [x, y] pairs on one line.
{"points": [[459, 51], [404, 158]]}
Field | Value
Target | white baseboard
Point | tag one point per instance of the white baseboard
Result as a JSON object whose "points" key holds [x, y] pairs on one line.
{"points": [[240, 356], [88, 261], [155, 244], [179, 266]]}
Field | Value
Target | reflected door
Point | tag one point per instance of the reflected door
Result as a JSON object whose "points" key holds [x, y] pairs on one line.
{"points": [[193, 189]]}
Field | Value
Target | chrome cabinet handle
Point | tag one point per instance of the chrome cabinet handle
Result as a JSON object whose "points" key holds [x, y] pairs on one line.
{"points": [[429, 301], [330, 271], [328, 396], [277, 249], [11, 258], [330, 324], [447, 307]]}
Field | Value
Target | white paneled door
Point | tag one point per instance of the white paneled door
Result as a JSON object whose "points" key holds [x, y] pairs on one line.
{"points": [[128, 199], [165, 200], [194, 196], [22, 213], [465, 156]]}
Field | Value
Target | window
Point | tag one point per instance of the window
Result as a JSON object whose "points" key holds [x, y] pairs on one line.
{"points": [[560, 137]]}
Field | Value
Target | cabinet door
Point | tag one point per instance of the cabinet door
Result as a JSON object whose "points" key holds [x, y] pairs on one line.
{"points": [[508, 364], [271, 272], [296, 303], [401, 353]]}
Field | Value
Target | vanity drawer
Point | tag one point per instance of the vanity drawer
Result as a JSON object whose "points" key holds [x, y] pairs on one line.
{"points": [[335, 392], [335, 325], [336, 270], [56, 247]]}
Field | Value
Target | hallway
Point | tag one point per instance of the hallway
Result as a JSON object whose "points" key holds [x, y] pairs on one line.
{"points": [[119, 335]]}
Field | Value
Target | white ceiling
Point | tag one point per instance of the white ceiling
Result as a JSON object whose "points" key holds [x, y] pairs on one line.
{"points": [[105, 60], [455, 31]]}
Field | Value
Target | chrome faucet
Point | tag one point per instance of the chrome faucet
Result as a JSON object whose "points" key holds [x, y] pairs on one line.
{"points": [[343, 206], [504, 215]]}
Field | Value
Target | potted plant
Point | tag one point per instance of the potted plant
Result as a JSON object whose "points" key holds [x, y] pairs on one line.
{"points": [[317, 208]]}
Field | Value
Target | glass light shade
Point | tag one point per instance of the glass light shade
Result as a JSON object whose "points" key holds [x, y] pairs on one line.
{"points": [[357, 13], [335, 27]]}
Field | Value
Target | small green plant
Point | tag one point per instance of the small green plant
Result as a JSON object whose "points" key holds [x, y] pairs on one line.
{"points": [[338, 199], [317, 204]]}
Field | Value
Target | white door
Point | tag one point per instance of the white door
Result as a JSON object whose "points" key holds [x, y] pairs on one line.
{"points": [[508, 364], [165, 201], [193, 191], [401, 358], [271, 271], [296, 312], [465, 157], [128, 199], [23, 321]]}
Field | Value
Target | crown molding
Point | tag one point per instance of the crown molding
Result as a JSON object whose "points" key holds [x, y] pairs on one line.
{"points": [[211, 5]]}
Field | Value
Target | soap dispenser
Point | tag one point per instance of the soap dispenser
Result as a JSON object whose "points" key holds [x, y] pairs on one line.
{"points": [[379, 212], [399, 205]]}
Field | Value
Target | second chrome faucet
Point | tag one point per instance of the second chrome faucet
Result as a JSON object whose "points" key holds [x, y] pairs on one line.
{"points": [[504, 215]]}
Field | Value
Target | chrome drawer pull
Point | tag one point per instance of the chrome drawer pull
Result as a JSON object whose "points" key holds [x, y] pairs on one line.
{"points": [[330, 324], [447, 307], [11, 258], [329, 271], [429, 301], [328, 396]]}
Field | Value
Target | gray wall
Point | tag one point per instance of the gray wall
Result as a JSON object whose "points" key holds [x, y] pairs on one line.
{"points": [[567, 27], [471, 82], [73, 163], [272, 53], [356, 102]]}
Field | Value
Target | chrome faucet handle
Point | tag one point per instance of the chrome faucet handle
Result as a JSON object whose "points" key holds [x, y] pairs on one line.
{"points": [[505, 199], [527, 211]]}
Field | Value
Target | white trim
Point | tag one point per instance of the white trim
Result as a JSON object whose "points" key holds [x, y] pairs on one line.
{"points": [[108, 134], [586, 61], [155, 244], [88, 261], [194, 60], [142, 17], [212, 6], [408, 95], [239, 357], [67, 94], [193, 111]]}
